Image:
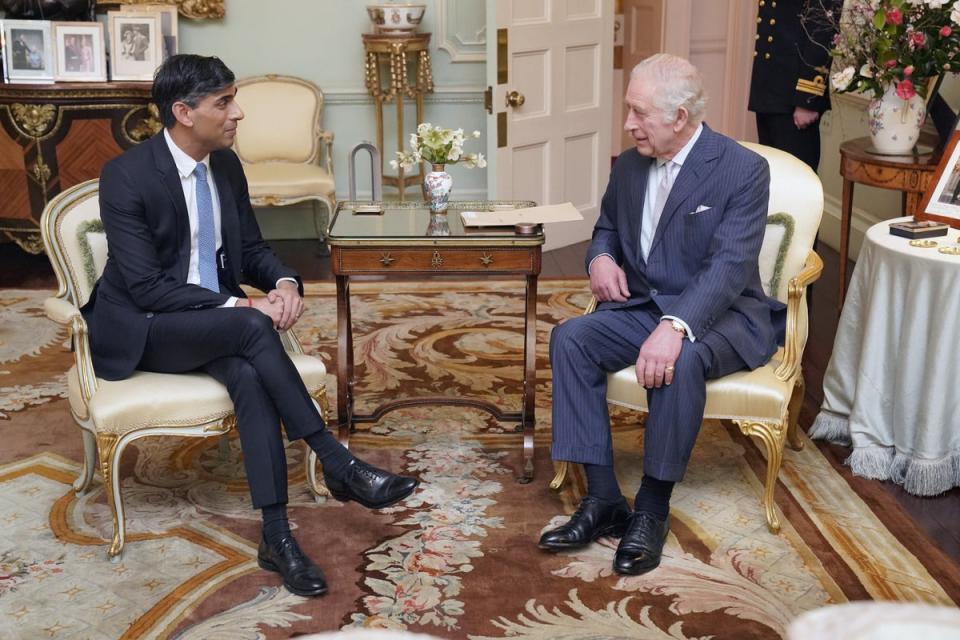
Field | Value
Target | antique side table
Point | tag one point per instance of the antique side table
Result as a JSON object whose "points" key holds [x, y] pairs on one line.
{"points": [[395, 243], [909, 174], [889, 389]]}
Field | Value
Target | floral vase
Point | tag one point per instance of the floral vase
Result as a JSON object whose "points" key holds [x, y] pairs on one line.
{"points": [[437, 185], [895, 123]]}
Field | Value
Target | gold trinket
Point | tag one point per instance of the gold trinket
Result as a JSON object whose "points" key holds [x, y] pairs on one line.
{"points": [[950, 251], [923, 244]]}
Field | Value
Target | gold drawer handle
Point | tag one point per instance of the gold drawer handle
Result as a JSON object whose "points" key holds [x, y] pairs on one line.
{"points": [[437, 260], [386, 259], [486, 259]]}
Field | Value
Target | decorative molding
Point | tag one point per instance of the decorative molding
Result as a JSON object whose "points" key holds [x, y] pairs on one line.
{"points": [[195, 9], [860, 221], [709, 45], [360, 96], [450, 37]]}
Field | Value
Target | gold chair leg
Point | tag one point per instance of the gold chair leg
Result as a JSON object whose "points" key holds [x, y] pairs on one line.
{"points": [[82, 484], [109, 467], [314, 479], [796, 400], [560, 476], [321, 219], [772, 437]]}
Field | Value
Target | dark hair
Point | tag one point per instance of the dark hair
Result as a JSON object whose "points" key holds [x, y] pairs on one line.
{"points": [[187, 78]]}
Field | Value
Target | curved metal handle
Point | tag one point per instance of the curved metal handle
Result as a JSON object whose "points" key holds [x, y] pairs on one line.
{"points": [[376, 172], [515, 99]]}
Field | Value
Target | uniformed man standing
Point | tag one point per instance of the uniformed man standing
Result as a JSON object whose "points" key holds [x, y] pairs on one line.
{"points": [[791, 65]]}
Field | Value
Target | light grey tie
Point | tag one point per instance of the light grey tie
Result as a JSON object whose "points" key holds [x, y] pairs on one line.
{"points": [[206, 231], [664, 184]]}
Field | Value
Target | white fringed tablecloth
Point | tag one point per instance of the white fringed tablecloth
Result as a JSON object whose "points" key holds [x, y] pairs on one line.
{"points": [[892, 388]]}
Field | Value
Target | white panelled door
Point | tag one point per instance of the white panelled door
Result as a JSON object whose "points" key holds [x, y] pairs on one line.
{"points": [[558, 68]]}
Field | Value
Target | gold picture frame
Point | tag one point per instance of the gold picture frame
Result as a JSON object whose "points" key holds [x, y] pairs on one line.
{"points": [[194, 9]]}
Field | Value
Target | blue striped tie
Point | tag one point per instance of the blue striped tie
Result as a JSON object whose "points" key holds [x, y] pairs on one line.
{"points": [[206, 232]]}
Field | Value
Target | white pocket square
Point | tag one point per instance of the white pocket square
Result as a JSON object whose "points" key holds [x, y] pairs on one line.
{"points": [[701, 209]]}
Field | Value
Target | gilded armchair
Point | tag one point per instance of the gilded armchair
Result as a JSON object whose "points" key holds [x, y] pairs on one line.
{"points": [[287, 157], [763, 403], [112, 414]]}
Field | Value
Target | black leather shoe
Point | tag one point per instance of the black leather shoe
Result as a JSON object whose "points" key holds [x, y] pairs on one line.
{"points": [[300, 575], [372, 487], [642, 544], [593, 519]]}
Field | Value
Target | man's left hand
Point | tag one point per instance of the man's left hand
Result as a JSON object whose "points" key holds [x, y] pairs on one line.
{"points": [[803, 118], [289, 296], [658, 356]]}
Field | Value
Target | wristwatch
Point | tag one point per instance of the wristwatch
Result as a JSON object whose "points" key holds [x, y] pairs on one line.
{"points": [[676, 326]]}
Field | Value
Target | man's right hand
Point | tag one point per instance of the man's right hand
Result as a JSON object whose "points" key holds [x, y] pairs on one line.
{"points": [[274, 310], [608, 281]]}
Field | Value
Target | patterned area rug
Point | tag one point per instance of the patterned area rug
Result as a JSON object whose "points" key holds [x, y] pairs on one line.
{"points": [[458, 559]]}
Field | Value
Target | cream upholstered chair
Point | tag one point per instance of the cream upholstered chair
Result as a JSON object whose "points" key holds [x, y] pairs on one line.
{"points": [[286, 156], [763, 403], [112, 414]]}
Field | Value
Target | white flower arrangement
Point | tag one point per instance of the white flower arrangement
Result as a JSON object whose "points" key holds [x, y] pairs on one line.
{"points": [[437, 145]]}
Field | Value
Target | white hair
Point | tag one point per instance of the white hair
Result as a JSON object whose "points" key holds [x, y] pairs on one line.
{"points": [[678, 84]]}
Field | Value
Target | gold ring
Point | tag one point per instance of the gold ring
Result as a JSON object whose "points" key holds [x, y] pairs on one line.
{"points": [[668, 370]]}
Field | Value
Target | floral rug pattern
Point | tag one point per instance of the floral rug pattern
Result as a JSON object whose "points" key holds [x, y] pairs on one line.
{"points": [[458, 558]]}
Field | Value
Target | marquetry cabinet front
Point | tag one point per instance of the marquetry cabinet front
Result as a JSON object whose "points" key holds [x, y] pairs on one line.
{"points": [[55, 136]]}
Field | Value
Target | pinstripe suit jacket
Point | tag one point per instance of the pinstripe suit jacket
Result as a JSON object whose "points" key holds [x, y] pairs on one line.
{"points": [[702, 266]]}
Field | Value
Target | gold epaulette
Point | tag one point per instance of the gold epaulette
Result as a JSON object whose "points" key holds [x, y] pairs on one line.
{"points": [[817, 86]]}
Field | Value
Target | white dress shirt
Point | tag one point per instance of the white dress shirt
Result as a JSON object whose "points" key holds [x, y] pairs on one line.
{"points": [[649, 225], [188, 181]]}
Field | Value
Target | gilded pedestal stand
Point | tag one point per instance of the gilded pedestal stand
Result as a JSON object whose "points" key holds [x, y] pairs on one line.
{"points": [[399, 55]]}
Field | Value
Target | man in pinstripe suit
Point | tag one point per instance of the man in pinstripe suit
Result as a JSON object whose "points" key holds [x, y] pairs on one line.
{"points": [[674, 266]]}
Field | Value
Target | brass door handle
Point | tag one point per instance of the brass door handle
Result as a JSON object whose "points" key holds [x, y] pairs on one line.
{"points": [[515, 99]]}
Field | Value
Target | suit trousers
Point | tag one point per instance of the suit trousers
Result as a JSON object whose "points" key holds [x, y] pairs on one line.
{"points": [[777, 130], [241, 349], [583, 350]]}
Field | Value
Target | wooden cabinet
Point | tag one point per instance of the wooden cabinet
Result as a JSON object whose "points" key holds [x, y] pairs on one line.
{"points": [[57, 135]]}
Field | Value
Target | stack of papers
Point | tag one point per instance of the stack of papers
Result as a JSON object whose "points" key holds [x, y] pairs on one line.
{"points": [[565, 212]]}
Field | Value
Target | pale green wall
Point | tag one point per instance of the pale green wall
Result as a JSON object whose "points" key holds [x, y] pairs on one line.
{"points": [[320, 40]]}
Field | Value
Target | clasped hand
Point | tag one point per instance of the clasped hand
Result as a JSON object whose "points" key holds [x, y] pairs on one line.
{"points": [[283, 305]]}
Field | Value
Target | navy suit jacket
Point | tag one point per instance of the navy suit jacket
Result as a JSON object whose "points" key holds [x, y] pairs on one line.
{"points": [[702, 266], [148, 238]]}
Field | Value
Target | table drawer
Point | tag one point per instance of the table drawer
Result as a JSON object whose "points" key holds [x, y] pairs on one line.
{"points": [[392, 260]]}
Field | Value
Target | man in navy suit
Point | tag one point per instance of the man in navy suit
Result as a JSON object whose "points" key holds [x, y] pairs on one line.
{"points": [[181, 237], [674, 266]]}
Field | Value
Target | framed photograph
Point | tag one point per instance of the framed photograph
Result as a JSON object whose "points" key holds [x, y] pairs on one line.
{"points": [[136, 45], [81, 54], [941, 202], [168, 23], [28, 50]]}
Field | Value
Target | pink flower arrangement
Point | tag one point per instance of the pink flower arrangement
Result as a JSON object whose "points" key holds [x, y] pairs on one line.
{"points": [[899, 43]]}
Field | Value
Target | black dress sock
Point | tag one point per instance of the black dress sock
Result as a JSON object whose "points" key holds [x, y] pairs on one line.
{"points": [[275, 523], [333, 456], [654, 496], [602, 482]]}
